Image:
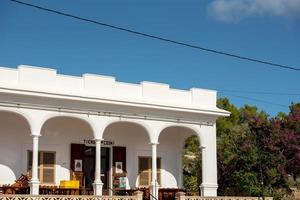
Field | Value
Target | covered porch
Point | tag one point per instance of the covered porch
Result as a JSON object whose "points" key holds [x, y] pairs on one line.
{"points": [[108, 155]]}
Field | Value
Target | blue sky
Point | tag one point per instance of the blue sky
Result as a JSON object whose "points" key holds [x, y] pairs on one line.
{"points": [[262, 29]]}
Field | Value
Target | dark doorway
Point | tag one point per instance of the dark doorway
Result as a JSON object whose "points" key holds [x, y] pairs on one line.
{"points": [[89, 166]]}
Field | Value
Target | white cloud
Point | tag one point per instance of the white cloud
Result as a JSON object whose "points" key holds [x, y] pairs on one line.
{"points": [[236, 10]]}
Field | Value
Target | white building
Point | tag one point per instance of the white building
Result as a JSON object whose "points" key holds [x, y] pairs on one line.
{"points": [[53, 125]]}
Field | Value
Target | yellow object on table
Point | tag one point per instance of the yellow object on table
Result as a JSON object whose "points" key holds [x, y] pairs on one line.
{"points": [[69, 184]]}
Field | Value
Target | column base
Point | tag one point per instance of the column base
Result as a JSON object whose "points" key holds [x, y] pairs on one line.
{"points": [[208, 189], [34, 187], [97, 186], [138, 194], [154, 191]]}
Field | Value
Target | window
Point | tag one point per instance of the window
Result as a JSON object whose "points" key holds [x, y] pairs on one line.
{"points": [[145, 171], [46, 166]]}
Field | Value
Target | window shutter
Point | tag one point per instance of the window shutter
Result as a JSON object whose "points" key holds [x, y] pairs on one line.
{"points": [[145, 171], [159, 170], [46, 166], [48, 175]]}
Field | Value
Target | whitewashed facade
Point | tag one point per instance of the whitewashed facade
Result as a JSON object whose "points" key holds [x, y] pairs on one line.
{"points": [[42, 111]]}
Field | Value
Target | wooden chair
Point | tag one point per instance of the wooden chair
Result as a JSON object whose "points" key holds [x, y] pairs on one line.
{"points": [[79, 176], [21, 186], [22, 181]]}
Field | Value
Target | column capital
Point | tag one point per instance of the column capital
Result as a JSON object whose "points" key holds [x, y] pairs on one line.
{"points": [[98, 139], [35, 135], [139, 195], [154, 143]]}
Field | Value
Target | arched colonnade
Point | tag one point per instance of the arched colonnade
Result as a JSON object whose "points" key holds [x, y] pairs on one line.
{"points": [[37, 119]]}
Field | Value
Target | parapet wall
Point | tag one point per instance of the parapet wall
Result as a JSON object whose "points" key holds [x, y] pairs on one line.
{"points": [[91, 85]]}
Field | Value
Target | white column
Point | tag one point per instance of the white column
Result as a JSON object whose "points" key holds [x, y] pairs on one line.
{"points": [[154, 183], [34, 182], [98, 185], [204, 174], [203, 164], [209, 184], [204, 185], [110, 171]]}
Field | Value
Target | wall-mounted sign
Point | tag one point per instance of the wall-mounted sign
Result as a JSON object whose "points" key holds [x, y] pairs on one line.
{"points": [[77, 165], [92, 142], [119, 168]]}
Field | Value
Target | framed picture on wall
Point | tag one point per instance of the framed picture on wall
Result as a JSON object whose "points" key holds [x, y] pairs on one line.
{"points": [[119, 168], [78, 165]]}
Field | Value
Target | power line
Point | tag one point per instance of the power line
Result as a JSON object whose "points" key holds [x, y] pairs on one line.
{"points": [[272, 64], [259, 92], [257, 100]]}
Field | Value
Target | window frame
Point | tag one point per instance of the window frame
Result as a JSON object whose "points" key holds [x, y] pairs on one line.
{"points": [[41, 166], [149, 170]]}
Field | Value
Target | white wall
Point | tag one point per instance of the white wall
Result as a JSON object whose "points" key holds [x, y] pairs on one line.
{"points": [[57, 135], [136, 140], [14, 134], [171, 143], [47, 80]]}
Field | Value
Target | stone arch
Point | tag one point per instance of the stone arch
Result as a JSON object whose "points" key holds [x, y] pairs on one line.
{"points": [[83, 119], [131, 137], [21, 114], [190, 127], [171, 141], [58, 132], [137, 123]]}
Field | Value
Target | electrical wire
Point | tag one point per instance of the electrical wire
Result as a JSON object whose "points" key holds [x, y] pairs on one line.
{"points": [[186, 45], [255, 99], [219, 52], [259, 92]]}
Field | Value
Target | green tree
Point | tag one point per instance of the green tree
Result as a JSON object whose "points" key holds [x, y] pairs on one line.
{"points": [[256, 154], [192, 165], [246, 155], [237, 154]]}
